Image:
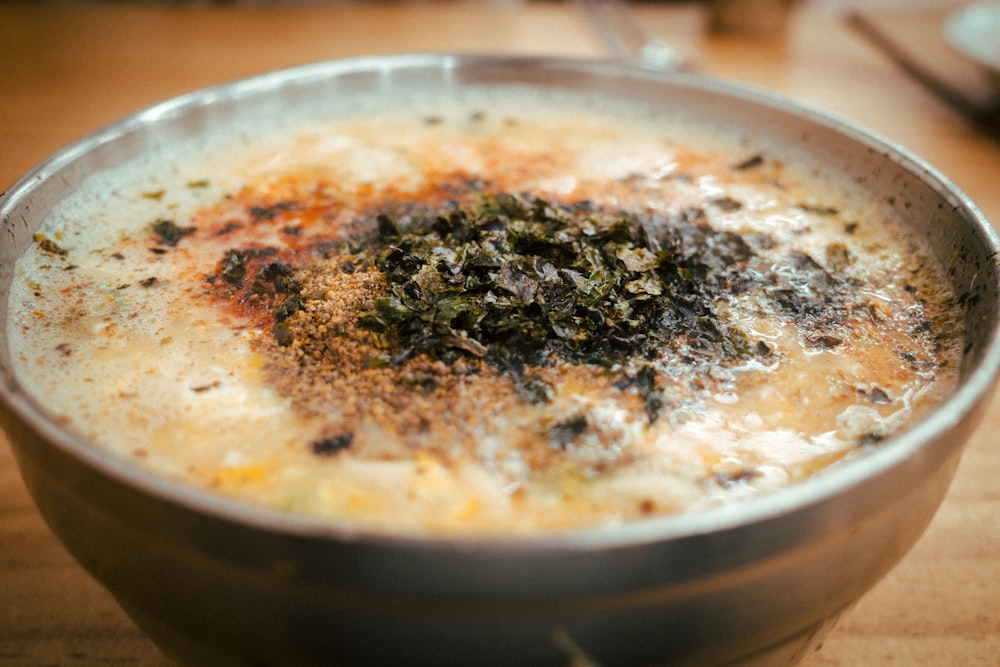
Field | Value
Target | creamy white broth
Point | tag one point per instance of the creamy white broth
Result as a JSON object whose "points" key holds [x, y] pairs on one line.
{"points": [[141, 344]]}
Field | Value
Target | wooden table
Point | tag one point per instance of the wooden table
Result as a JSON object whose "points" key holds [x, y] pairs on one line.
{"points": [[66, 70]]}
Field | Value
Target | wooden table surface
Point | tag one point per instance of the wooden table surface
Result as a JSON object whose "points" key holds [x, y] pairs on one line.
{"points": [[68, 69]]}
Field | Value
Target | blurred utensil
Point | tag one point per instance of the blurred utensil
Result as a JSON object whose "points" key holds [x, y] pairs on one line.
{"points": [[625, 39], [749, 17], [985, 116], [974, 32]]}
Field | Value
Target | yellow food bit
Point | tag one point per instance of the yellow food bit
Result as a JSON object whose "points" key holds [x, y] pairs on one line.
{"points": [[357, 502], [471, 508], [243, 474]]}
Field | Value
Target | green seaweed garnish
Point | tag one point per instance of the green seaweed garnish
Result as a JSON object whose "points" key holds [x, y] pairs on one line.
{"points": [[520, 281]]}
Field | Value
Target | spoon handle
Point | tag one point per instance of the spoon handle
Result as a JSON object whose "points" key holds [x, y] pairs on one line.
{"points": [[625, 39]]}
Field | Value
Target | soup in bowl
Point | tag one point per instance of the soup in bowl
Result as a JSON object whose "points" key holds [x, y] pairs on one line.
{"points": [[468, 359]]}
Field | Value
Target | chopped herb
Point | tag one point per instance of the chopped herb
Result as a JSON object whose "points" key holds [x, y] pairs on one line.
{"points": [[380, 361], [261, 268], [644, 383], [230, 226], [875, 395], [733, 477], [837, 256], [564, 433], [824, 342], [750, 163], [50, 246], [267, 213], [423, 380], [332, 445], [871, 439], [234, 267], [531, 390], [282, 334], [520, 281], [818, 209], [287, 308], [727, 204], [275, 270], [169, 232]]}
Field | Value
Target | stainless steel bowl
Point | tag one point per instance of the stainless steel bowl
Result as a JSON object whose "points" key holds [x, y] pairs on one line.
{"points": [[217, 582]]}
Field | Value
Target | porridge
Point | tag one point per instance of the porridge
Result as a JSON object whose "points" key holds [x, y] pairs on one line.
{"points": [[494, 315]]}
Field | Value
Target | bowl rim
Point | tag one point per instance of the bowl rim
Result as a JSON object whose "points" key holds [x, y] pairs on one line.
{"points": [[811, 492]]}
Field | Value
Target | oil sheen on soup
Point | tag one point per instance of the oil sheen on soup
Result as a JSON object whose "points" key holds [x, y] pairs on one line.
{"points": [[501, 314]]}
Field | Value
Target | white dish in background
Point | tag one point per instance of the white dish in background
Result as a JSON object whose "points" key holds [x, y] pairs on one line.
{"points": [[974, 31]]}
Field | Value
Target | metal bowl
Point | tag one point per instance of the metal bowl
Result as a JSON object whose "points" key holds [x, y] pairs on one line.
{"points": [[217, 582]]}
